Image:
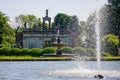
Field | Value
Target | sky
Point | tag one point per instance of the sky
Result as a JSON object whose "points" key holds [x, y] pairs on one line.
{"points": [[81, 8]]}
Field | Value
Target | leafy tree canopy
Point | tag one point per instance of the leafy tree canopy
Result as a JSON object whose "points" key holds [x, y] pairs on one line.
{"points": [[6, 32], [61, 20], [29, 19]]}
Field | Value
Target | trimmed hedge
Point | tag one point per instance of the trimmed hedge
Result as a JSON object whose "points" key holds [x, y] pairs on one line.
{"points": [[4, 51], [24, 52], [67, 50], [20, 52], [36, 52], [48, 50], [81, 51], [14, 52]]}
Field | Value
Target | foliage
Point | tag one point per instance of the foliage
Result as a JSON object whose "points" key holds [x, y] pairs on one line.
{"points": [[79, 51], [61, 20], [114, 2], [91, 35], [105, 54], [6, 32], [28, 20], [74, 30], [110, 44], [110, 17], [66, 50], [4, 51], [90, 52], [82, 36], [46, 43], [49, 50], [15, 52], [35, 52], [24, 51]]}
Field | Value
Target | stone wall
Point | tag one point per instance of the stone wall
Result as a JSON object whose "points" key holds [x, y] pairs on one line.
{"points": [[36, 40]]}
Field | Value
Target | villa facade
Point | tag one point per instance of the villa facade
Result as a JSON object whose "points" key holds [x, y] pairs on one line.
{"points": [[40, 37]]}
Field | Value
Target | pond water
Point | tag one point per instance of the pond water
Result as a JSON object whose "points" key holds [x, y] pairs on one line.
{"points": [[57, 70]]}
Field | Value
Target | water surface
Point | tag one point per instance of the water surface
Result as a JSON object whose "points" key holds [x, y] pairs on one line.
{"points": [[57, 70]]}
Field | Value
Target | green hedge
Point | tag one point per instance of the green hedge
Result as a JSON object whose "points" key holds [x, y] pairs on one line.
{"points": [[67, 50], [90, 52], [105, 54], [4, 51], [24, 52], [48, 50], [20, 52], [14, 52], [35, 52], [81, 51]]}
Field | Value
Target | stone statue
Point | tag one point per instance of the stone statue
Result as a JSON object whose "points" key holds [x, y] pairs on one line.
{"points": [[47, 12]]}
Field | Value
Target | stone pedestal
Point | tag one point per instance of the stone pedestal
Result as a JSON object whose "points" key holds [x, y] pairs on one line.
{"points": [[59, 52]]}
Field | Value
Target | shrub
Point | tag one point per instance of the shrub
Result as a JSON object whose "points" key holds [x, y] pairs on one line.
{"points": [[24, 52], [90, 52], [14, 52], [35, 52], [4, 51], [49, 50], [105, 54], [79, 51], [67, 50], [110, 44]]}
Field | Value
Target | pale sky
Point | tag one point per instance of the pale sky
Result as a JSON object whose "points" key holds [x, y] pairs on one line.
{"points": [[80, 8]]}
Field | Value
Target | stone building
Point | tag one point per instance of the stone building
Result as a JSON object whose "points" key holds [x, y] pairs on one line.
{"points": [[39, 37]]}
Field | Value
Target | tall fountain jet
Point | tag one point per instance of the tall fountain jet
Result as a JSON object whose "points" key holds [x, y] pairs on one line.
{"points": [[97, 31]]}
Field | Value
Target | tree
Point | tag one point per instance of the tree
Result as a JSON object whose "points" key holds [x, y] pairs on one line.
{"points": [[74, 30], [91, 31], [110, 17], [6, 32], [62, 20], [21, 19], [83, 31], [29, 20], [110, 44]]}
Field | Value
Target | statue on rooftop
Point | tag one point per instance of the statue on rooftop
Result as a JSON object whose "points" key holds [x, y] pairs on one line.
{"points": [[47, 12], [46, 18]]}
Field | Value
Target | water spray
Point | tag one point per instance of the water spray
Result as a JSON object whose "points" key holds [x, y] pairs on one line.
{"points": [[97, 30]]}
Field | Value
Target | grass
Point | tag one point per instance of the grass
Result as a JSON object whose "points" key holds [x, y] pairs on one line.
{"points": [[29, 58], [110, 58], [58, 58]]}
